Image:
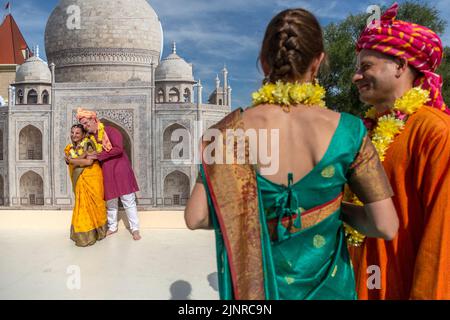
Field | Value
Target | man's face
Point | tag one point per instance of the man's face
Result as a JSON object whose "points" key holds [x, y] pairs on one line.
{"points": [[89, 125], [375, 77]]}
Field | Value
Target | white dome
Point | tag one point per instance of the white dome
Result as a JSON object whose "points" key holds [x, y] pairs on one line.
{"points": [[174, 68], [116, 40], [34, 70]]}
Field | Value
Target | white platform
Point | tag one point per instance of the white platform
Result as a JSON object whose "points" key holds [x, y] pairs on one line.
{"points": [[38, 260]]}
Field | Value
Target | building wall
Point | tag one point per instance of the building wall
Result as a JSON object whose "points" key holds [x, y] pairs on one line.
{"points": [[7, 76], [172, 176], [25, 176], [127, 105]]}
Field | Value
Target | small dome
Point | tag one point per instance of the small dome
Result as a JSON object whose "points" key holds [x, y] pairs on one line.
{"points": [[174, 68], [34, 70]]}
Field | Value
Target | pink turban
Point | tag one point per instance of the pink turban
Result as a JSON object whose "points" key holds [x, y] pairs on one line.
{"points": [[420, 46], [83, 113]]}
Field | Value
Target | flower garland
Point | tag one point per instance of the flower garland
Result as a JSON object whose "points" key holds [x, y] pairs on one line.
{"points": [[101, 132], [383, 132], [77, 151], [288, 94]]}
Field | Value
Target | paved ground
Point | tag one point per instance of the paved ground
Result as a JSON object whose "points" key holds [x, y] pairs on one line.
{"points": [[165, 264]]}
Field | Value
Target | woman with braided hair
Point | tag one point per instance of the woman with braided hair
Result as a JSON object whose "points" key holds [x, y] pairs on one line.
{"points": [[276, 238]]}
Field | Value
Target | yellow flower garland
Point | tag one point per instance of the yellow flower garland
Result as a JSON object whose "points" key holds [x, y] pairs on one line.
{"points": [[388, 127], [78, 151], [288, 94]]}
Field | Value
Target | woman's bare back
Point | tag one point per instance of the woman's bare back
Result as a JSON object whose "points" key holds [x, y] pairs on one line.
{"points": [[305, 134]]}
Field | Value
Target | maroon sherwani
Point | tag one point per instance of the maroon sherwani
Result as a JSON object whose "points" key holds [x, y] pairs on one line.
{"points": [[118, 176]]}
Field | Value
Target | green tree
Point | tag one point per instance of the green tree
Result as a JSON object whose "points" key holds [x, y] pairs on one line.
{"points": [[340, 39]]}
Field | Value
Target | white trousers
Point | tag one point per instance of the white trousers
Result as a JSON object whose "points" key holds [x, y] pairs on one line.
{"points": [[129, 204]]}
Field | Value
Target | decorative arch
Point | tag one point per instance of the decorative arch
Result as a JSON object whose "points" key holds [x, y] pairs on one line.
{"points": [[32, 97], [127, 145], [20, 96], [45, 97], [174, 95], [169, 145], [31, 189], [30, 143], [176, 189], [187, 95], [160, 96]]}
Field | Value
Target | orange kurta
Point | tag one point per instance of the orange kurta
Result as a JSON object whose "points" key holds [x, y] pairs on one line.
{"points": [[416, 264]]}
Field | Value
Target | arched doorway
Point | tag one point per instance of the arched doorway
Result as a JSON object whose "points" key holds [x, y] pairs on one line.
{"points": [[187, 95], [126, 138], [174, 95], [169, 145], [30, 143], [45, 97], [2, 192], [31, 189], [32, 97], [176, 189], [161, 98]]}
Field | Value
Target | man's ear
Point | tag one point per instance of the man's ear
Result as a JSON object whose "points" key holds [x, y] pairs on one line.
{"points": [[402, 67]]}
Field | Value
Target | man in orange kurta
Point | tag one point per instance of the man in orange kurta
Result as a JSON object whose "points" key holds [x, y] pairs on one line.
{"points": [[416, 264]]}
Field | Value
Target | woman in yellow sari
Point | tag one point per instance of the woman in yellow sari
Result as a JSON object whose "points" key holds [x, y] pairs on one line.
{"points": [[89, 222]]}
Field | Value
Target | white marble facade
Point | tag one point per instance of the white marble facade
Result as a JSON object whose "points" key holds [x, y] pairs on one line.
{"points": [[112, 71]]}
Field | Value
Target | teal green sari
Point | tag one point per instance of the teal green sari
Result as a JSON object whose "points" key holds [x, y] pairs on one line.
{"points": [[301, 243]]}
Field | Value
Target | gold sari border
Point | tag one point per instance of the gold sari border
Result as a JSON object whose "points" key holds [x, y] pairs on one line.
{"points": [[233, 191], [85, 239]]}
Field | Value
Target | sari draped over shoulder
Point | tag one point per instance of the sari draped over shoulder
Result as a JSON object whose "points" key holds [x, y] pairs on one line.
{"points": [[283, 241], [89, 221]]}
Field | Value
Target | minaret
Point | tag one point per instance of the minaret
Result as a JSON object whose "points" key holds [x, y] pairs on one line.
{"points": [[37, 51], [199, 93], [225, 86], [229, 96], [174, 47], [153, 131], [217, 89], [11, 97], [52, 69], [198, 127]]}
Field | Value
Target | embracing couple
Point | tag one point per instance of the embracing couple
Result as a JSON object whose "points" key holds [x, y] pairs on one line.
{"points": [[283, 236], [100, 172]]}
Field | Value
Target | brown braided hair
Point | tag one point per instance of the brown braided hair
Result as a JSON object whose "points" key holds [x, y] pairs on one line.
{"points": [[292, 41]]}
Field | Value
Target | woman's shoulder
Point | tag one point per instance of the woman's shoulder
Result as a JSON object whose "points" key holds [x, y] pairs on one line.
{"points": [[352, 122]]}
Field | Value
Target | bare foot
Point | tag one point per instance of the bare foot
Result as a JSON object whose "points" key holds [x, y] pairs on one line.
{"points": [[136, 235], [109, 232]]}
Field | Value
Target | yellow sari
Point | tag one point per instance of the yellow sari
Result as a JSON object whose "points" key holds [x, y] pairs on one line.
{"points": [[89, 221]]}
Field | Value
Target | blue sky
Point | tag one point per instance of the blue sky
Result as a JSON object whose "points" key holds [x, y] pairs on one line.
{"points": [[211, 33]]}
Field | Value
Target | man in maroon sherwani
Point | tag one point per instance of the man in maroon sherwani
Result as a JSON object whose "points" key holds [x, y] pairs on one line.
{"points": [[118, 176]]}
